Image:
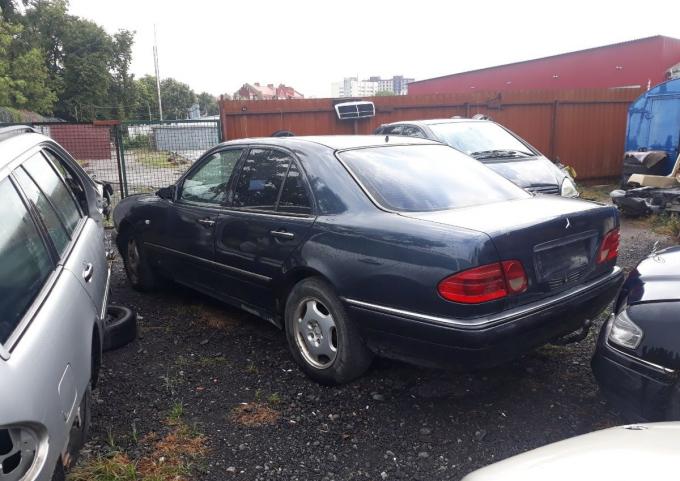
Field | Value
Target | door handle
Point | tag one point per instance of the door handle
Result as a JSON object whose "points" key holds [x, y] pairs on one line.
{"points": [[206, 222], [282, 234], [88, 270]]}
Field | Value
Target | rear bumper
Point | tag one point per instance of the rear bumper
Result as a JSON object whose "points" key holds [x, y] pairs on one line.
{"points": [[638, 389], [483, 342]]}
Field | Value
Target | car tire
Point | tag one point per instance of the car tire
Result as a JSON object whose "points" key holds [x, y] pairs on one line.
{"points": [[139, 272], [59, 474], [79, 432], [323, 340], [120, 327]]}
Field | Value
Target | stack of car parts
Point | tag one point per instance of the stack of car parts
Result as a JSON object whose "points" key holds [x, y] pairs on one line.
{"points": [[650, 193]]}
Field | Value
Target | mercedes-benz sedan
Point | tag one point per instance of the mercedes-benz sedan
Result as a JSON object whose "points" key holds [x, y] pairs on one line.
{"points": [[362, 245]]}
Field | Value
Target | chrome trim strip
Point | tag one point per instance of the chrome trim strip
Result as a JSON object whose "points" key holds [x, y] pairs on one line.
{"points": [[477, 324], [236, 270], [657, 367], [107, 291]]}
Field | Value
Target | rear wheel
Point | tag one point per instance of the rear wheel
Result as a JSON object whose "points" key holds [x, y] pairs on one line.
{"points": [[323, 340], [139, 272]]}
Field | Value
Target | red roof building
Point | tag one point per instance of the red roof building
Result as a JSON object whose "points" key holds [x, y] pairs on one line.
{"points": [[637, 63], [266, 92]]}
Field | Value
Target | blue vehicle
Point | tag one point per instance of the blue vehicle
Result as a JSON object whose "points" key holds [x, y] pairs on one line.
{"points": [[363, 245], [653, 134]]}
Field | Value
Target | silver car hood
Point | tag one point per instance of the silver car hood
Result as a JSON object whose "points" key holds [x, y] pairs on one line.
{"points": [[624, 453]]}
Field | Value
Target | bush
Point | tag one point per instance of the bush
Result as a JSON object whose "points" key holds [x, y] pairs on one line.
{"points": [[140, 141]]}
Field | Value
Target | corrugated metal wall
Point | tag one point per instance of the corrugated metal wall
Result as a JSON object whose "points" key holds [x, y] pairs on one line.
{"points": [[583, 128]]}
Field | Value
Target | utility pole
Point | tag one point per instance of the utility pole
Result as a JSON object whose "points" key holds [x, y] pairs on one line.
{"points": [[158, 75]]}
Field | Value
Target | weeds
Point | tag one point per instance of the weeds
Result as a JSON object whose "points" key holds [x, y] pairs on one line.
{"points": [[167, 458], [667, 223], [254, 415], [274, 398], [176, 412]]}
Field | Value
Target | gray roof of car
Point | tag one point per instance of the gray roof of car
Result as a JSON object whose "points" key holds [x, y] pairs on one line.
{"points": [[335, 142], [12, 147]]}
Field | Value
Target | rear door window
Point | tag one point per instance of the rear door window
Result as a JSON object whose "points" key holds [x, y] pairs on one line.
{"points": [[26, 263], [55, 190], [427, 177], [261, 179], [69, 175], [294, 198]]}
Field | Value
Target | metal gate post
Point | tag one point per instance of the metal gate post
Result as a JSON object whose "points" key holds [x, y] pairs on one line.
{"points": [[120, 157]]}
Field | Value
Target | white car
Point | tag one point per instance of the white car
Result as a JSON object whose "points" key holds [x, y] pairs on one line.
{"points": [[623, 453]]}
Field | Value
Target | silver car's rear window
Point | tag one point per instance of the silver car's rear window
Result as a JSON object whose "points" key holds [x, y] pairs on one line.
{"points": [[416, 178]]}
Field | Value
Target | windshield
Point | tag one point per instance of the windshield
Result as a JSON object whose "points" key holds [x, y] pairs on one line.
{"points": [[480, 139], [418, 178]]}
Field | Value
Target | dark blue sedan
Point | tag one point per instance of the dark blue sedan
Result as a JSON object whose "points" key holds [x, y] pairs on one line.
{"points": [[357, 246]]}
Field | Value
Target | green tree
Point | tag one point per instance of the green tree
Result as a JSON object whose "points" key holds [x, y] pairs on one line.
{"points": [[24, 79], [208, 104], [384, 93], [177, 97]]}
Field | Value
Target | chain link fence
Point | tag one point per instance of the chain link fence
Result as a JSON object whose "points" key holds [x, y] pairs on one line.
{"points": [[134, 157], [155, 154]]}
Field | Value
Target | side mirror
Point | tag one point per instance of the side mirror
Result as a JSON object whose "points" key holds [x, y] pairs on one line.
{"points": [[167, 193]]}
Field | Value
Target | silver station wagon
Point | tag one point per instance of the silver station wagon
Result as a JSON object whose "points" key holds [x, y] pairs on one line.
{"points": [[54, 278]]}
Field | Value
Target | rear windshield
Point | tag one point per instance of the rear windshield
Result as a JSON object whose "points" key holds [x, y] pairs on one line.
{"points": [[418, 178]]}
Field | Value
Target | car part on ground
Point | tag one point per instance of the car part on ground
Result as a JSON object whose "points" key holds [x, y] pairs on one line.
{"points": [[54, 285], [380, 222], [637, 358], [120, 327], [648, 162], [624, 453], [495, 146]]}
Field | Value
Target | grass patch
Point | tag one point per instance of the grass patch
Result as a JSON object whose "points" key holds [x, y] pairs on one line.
{"points": [[176, 412], [597, 193], [167, 458], [667, 223], [254, 415], [153, 158]]}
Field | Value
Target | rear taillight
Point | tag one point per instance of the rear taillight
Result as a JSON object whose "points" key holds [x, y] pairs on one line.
{"points": [[484, 283], [609, 249]]}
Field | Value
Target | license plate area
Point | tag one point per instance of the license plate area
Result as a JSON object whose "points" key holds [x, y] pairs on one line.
{"points": [[563, 262]]}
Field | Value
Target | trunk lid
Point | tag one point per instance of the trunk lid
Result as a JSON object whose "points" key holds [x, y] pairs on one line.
{"points": [[555, 238]]}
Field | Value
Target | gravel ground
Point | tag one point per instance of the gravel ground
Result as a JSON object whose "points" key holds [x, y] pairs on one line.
{"points": [[397, 422]]}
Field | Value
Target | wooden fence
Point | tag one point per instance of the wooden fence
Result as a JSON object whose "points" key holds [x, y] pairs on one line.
{"points": [[582, 128]]}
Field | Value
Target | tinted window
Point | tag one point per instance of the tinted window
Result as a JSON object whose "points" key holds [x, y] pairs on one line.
{"points": [[393, 130], [72, 180], [208, 184], [56, 191], [261, 178], [54, 225], [427, 177], [294, 198], [25, 262], [472, 137], [412, 131]]}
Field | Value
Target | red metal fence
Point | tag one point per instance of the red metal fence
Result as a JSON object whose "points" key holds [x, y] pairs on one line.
{"points": [[583, 128]]}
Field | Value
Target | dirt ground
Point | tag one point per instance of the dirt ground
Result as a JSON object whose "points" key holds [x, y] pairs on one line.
{"points": [[247, 413]]}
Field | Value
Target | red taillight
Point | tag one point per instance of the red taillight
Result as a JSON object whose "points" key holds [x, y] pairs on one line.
{"points": [[484, 283], [609, 249]]}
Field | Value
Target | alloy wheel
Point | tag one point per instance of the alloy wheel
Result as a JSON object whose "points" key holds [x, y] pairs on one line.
{"points": [[316, 335]]}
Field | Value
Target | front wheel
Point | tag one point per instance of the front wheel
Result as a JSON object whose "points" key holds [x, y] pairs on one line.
{"points": [[323, 340], [139, 272]]}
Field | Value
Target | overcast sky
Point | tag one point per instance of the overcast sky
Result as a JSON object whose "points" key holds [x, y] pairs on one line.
{"points": [[216, 46]]}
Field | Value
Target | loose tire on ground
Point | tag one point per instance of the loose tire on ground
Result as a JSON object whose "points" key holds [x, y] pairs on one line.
{"points": [[324, 342], [120, 327]]}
